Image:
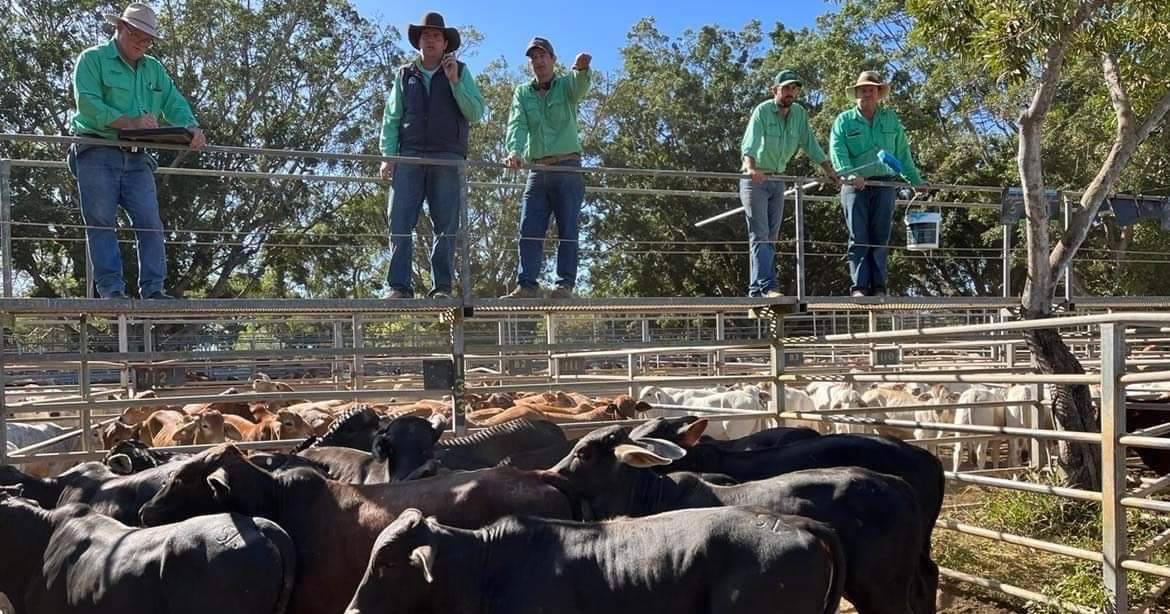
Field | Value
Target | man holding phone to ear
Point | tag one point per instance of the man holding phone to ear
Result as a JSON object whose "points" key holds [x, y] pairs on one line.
{"points": [[428, 115]]}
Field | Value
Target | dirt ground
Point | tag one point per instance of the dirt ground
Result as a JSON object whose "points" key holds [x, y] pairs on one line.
{"points": [[962, 604]]}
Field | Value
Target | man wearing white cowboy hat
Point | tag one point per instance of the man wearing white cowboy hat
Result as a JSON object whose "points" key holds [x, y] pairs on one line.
{"points": [[777, 129], [428, 114], [117, 86], [542, 129], [857, 136]]}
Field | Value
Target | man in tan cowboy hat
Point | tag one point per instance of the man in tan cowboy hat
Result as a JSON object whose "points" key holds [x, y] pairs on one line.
{"points": [[428, 114], [777, 129], [542, 129], [117, 86], [857, 136]]}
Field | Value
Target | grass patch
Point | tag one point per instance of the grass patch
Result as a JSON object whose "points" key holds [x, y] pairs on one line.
{"points": [[1050, 518]]}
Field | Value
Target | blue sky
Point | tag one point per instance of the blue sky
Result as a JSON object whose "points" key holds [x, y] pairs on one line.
{"points": [[596, 26]]}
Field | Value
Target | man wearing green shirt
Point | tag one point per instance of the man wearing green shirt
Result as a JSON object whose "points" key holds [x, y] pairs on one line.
{"points": [[857, 136], [428, 115], [542, 129], [777, 129], [117, 86]]}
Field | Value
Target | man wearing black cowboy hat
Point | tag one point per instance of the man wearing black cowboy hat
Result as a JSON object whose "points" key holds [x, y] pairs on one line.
{"points": [[428, 114]]}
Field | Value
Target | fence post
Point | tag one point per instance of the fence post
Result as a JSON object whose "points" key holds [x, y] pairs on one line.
{"points": [[86, 392], [1006, 256], [1068, 272], [127, 381], [3, 401], [6, 223], [458, 356], [1113, 530], [776, 360], [356, 378], [801, 290]]}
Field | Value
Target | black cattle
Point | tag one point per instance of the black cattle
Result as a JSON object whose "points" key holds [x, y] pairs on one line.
{"points": [[876, 516], [132, 456], [353, 428], [334, 525], [718, 561], [74, 560], [686, 431], [409, 444], [348, 465], [118, 496], [919, 468]]}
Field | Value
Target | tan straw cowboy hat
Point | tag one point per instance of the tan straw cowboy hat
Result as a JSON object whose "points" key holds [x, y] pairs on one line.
{"points": [[138, 16]]}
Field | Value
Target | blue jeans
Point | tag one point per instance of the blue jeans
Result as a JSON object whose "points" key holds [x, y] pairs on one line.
{"points": [[440, 187], [108, 177], [868, 214], [763, 205], [560, 195]]}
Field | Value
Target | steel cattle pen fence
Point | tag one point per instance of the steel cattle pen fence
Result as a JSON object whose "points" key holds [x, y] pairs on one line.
{"points": [[81, 353]]}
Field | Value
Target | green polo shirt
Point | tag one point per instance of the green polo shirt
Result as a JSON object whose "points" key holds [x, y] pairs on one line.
{"points": [[467, 98], [105, 88], [855, 141], [772, 140], [542, 126]]}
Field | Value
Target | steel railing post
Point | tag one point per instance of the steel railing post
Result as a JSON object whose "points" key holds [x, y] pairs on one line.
{"points": [[1114, 527]]}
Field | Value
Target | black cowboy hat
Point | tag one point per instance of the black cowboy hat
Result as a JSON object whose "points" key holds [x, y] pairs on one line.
{"points": [[433, 20]]}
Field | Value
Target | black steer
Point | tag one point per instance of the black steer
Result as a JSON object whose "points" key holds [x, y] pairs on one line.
{"points": [[717, 561], [74, 560], [409, 444], [876, 516]]}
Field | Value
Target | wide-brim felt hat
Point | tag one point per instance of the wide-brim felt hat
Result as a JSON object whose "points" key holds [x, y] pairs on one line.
{"points": [[871, 77], [433, 20], [138, 16]]}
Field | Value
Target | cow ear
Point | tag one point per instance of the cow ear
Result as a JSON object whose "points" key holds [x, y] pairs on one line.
{"points": [[438, 424], [120, 464], [692, 432], [220, 490], [423, 558], [637, 456]]}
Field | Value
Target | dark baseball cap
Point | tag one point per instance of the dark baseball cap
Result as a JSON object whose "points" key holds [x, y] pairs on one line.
{"points": [[540, 43]]}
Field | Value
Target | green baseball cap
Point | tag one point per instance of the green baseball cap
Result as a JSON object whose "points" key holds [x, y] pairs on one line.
{"points": [[786, 76]]}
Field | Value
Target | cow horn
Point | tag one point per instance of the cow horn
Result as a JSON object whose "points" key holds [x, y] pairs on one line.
{"points": [[423, 558]]}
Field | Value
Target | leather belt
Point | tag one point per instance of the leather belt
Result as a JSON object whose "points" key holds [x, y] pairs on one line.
{"points": [[129, 148]]}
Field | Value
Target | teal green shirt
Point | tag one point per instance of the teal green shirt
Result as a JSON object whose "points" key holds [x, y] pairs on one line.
{"points": [[855, 141], [105, 88], [467, 98], [542, 126], [772, 140]]}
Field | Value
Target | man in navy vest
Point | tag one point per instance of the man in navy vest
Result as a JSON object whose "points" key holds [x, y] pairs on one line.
{"points": [[432, 104]]}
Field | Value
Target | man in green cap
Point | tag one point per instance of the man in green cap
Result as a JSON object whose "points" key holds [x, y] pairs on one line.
{"points": [[542, 130], [777, 128], [118, 86]]}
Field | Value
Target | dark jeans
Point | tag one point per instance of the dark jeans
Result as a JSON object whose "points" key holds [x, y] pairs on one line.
{"points": [[764, 208], [106, 178], [868, 215], [559, 195], [439, 186]]}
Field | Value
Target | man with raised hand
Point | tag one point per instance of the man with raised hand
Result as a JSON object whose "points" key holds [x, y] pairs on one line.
{"points": [[428, 115], [777, 129], [542, 130], [117, 86]]}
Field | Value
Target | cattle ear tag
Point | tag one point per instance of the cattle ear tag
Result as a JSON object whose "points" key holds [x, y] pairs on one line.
{"points": [[423, 558]]}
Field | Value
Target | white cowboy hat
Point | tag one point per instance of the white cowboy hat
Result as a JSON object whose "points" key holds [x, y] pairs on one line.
{"points": [[138, 16]]}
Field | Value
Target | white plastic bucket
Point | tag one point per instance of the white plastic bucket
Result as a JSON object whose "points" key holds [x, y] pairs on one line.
{"points": [[922, 230]]}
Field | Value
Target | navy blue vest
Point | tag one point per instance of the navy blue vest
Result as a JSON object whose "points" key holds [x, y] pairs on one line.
{"points": [[431, 123]]}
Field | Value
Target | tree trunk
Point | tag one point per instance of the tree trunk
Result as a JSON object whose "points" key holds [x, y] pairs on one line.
{"points": [[1072, 407]]}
